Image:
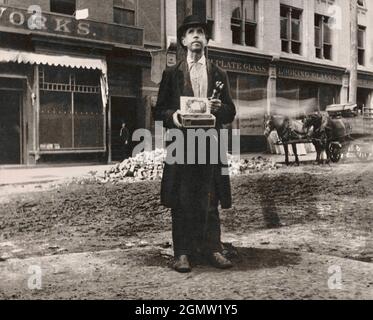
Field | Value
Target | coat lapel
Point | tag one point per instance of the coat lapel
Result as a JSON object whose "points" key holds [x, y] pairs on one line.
{"points": [[210, 86], [185, 84]]}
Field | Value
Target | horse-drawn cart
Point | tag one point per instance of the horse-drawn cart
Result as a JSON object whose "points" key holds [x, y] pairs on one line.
{"points": [[358, 136], [339, 131]]}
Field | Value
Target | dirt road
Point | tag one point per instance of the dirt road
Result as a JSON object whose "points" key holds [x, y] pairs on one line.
{"points": [[295, 231]]}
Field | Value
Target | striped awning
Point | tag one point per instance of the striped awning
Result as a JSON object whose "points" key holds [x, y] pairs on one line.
{"points": [[15, 56], [52, 60]]}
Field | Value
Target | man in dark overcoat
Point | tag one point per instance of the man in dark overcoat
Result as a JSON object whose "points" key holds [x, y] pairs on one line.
{"points": [[194, 191]]}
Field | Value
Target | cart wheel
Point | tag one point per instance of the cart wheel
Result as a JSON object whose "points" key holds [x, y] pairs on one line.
{"points": [[360, 154], [335, 152]]}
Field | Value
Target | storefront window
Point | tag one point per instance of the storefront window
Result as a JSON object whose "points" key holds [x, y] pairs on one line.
{"points": [[60, 77], [71, 112], [55, 120], [288, 99], [88, 129], [328, 94], [249, 93], [298, 98]]}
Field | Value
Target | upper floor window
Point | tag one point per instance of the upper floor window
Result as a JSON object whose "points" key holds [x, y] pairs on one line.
{"points": [[244, 22], [291, 30], [3, 1], [125, 12], [361, 45], [210, 15], [323, 37], [63, 6]]}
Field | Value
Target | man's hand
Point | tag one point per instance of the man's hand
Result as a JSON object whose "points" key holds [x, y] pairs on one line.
{"points": [[175, 117], [214, 105]]}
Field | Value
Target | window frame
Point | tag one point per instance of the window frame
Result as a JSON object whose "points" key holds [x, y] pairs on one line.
{"points": [[320, 51], [123, 8], [243, 23], [289, 28], [52, 3], [74, 88], [363, 48], [211, 18]]}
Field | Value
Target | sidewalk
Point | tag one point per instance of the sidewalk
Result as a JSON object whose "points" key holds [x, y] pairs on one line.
{"points": [[24, 175], [31, 175]]}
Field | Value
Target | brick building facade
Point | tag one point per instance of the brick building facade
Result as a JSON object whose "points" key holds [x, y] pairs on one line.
{"points": [[290, 56], [69, 77], [68, 81]]}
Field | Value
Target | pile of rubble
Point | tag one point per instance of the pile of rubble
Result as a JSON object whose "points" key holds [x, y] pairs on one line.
{"points": [[244, 166], [148, 166]]}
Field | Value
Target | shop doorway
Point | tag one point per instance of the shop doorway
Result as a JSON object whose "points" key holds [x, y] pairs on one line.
{"points": [[328, 94], [362, 99], [10, 128], [122, 110]]}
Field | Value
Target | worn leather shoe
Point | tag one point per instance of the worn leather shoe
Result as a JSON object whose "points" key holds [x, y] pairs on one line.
{"points": [[182, 264], [219, 261]]}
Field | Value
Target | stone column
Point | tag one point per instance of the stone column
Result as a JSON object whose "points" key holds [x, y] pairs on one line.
{"points": [[344, 89], [271, 99], [271, 88], [36, 116], [354, 52], [369, 102]]}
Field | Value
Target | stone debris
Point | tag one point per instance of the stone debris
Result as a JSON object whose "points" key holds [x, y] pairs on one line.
{"points": [[148, 166], [253, 165]]}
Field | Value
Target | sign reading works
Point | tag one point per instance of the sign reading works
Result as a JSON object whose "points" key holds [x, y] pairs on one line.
{"points": [[33, 20]]}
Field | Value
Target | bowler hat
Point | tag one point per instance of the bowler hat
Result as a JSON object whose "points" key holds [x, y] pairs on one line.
{"points": [[192, 21]]}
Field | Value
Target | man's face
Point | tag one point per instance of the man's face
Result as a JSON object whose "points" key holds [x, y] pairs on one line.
{"points": [[195, 39]]}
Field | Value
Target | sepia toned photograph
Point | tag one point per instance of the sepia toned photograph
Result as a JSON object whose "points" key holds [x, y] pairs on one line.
{"points": [[189, 150]]}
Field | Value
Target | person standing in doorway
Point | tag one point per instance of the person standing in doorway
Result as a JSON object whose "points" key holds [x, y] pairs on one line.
{"points": [[125, 138]]}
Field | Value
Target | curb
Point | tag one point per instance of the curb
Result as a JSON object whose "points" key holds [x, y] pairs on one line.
{"points": [[27, 183]]}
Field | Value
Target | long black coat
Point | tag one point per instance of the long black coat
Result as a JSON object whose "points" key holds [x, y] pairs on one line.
{"points": [[175, 83]]}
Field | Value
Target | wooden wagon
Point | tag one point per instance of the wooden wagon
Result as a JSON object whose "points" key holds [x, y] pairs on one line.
{"points": [[361, 125]]}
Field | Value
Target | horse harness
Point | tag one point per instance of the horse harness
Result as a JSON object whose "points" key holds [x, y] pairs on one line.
{"points": [[288, 133]]}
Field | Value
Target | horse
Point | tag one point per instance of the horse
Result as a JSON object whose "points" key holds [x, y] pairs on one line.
{"points": [[288, 130], [327, 133]]}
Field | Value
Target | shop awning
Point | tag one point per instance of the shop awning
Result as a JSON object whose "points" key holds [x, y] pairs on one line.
{"points": [[59, 60]]}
